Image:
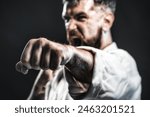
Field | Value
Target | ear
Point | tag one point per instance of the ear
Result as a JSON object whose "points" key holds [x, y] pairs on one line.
{"points": [[108, 21]]}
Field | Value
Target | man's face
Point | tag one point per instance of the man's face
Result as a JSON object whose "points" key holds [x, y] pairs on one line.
{"points": [[83, 23]]}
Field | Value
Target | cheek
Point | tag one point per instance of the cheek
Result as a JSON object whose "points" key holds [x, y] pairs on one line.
{"points": [[92, 31], [67, 32], [94, 25]]}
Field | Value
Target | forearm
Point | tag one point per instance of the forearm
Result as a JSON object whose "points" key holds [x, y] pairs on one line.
{"points": [[78, 72], [81, 64]]}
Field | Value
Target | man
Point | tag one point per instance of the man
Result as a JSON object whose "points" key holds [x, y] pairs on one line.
{"points": [[91, 67]]}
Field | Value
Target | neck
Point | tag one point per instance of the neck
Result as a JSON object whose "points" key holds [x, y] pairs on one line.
{"points": [[106, 39]]}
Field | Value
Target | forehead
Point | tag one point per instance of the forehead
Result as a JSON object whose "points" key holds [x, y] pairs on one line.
{"points": [[82, 6]]}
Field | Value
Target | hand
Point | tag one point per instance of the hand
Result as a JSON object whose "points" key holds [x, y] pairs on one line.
{"points": [[43, 54]]}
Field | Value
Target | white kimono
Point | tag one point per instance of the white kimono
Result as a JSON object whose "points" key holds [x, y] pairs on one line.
{"points": [[115, 76]]}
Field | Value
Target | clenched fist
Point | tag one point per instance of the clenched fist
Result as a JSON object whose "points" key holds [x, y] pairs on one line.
{"points": [[44, 54]]}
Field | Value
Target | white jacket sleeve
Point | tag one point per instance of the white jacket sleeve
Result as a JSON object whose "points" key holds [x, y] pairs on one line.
{"points": [[115, 75]]}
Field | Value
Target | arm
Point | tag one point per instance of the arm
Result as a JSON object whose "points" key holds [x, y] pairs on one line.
{"points": [[78, 73], [115, 75], [44, 54]]}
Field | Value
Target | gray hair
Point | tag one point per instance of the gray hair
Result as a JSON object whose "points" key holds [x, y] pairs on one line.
{"points": [[109, 3]]}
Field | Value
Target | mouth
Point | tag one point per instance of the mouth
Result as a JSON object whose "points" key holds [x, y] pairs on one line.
{"points": [[77, 42]]}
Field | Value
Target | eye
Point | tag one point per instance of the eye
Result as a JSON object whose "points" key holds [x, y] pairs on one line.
{"points": [[66, 19], [81, 18]]}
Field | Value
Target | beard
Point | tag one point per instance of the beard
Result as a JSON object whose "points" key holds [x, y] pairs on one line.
{"points": [[94, 41], [80, 40]]}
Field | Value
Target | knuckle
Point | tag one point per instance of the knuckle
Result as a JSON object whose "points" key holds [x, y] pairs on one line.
{"points": [[42, 38], [31, 41], [47, 47], [41, 41]]}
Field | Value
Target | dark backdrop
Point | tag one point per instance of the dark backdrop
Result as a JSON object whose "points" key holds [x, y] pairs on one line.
{"points": [[21, 20]]}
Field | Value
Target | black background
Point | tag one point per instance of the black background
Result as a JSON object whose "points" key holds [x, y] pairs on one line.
{"points": [[21, 20]]}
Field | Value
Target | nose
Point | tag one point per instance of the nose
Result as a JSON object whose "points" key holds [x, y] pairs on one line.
{"points": [[71, 25]]}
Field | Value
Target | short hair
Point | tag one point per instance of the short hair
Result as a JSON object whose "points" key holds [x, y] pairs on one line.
{"points": [[109, 3]]}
